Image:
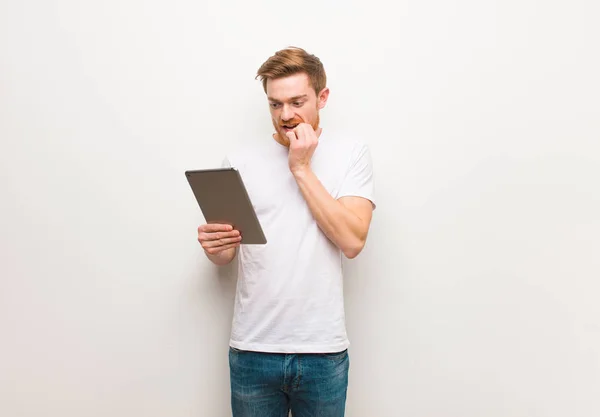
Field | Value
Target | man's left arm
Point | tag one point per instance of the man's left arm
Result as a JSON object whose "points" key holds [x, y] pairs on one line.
{"points": [[344, 221]]}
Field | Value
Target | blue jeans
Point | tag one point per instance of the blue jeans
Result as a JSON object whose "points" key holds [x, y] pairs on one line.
{"points": [[272, 384]]}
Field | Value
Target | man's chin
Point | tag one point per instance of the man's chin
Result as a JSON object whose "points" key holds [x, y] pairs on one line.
{"points": [[282, 138]]}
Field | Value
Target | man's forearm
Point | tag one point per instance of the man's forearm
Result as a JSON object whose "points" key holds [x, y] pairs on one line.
{"points": [[339, 224]]}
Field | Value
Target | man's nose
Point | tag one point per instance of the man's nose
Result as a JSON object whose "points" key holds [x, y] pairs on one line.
{"points": [[287, 113]]}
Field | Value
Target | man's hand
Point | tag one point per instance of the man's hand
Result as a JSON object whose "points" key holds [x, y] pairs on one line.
{"points": [[219, 242], [303, 142]]}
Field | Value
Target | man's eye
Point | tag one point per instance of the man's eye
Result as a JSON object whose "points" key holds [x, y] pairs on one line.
{"points": [[274, 105], [297, 103]]}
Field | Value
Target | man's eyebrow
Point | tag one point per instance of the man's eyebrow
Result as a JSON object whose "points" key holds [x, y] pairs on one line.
{"points": [[291, 99]]}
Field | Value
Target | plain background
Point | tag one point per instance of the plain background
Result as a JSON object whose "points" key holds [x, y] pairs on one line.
{"points": [[477, 293]]}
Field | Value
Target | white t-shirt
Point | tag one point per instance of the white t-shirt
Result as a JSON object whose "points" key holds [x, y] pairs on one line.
{"points": [[289, 296]]}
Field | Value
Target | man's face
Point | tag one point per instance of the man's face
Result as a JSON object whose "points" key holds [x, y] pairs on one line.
{"points": [[292, 100]]}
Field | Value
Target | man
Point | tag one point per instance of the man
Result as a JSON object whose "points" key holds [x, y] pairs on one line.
{"points": [[313, 194]]}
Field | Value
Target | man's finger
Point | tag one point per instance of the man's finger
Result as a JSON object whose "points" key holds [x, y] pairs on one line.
{"points": [[220, 242], [308, 132], [217, 235], [291, 136], [215, 227], [218, 249], [311, 133], [300, 132]]}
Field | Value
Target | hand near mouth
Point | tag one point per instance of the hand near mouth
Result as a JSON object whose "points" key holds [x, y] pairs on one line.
{"points": [[303, 142]]}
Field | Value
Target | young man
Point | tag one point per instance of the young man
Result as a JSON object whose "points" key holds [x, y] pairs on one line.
{"points": [[313, 194]]}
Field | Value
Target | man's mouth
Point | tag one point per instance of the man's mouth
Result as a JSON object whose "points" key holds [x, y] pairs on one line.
{"points": [[289, 127]]}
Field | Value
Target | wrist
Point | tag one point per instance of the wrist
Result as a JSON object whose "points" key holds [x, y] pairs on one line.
{"points": [[301, 171]]}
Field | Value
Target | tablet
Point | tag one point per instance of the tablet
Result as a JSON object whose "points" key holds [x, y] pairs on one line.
{"points": [[222, 197]]}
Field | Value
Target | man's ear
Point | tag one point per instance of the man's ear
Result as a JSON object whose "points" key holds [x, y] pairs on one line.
{"points": [[322, 98]]}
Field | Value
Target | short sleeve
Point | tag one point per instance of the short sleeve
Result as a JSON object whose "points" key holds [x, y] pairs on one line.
{"points": [[358, 181]]}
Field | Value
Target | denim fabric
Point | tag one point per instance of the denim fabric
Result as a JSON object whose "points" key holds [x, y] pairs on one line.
{"points": [[270, 384]]}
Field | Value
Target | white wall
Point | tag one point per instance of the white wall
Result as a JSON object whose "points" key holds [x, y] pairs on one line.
{"points": [[477, 293]]}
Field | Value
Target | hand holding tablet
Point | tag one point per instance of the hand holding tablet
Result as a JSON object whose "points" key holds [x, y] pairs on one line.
{"points": [[216, 238]]}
